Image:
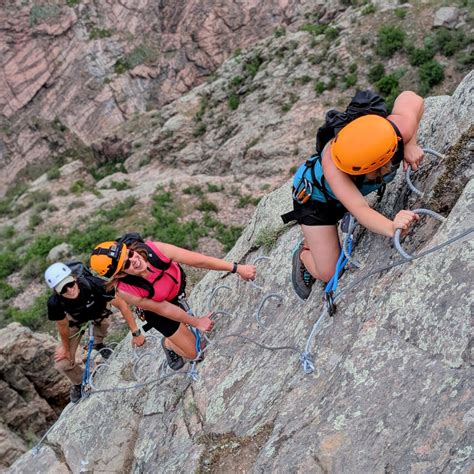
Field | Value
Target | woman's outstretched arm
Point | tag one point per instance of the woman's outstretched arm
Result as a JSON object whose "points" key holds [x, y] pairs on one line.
{"points": [[199, 260]]}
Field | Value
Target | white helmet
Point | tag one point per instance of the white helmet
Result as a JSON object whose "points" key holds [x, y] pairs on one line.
{"points": [[56, 273]]}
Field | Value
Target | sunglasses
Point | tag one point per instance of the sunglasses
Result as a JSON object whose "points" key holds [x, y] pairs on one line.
{"points": [[67, 286], [127, 263]]}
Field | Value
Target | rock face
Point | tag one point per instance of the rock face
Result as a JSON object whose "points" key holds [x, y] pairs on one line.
{"points": [[93, 65], [392, 390], [32, 392]]}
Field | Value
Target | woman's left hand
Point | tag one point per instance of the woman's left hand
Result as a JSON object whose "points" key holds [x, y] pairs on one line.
{"points": [[247, 272], [413, 156]]}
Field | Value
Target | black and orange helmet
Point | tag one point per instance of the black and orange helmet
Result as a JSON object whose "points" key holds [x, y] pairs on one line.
{"points": [[108, 258]]}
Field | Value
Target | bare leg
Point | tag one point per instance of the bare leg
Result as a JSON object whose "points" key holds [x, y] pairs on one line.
{"points": [[182, 342], [324, 249]]}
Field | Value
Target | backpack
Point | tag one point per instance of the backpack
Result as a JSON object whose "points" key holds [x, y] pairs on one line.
{"points": [[363, 103], [153, 258], [79, 269]]}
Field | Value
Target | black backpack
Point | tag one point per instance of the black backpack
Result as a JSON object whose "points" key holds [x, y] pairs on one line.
{"points": [[363, 103], [155, 260], [79, 269]]}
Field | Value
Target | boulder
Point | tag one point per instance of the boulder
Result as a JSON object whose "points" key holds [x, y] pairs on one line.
{"points": [[447, 17]]}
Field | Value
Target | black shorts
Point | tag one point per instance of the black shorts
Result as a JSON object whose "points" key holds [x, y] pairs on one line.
{"points": [[166, 326], [318, 213]]}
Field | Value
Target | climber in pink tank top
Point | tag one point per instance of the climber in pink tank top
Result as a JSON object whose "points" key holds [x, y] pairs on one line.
{"points": [[148, 275], [167, 286]]}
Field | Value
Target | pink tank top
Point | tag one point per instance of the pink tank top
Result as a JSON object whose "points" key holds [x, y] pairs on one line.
{"points": [[166, 288]]}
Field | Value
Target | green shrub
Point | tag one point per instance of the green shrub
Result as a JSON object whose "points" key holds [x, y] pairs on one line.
{"points": [[350, 80], [139, 55], [194, 189], [78, 187], [35, 220], [448, 42], [331, 34], [466, 59], [233, 101], [279, 31], [107, 169], [53, 173], [419, 56], [85, 241], [387, 84], [252, 65], [206, 206], [304, 79], [319, 87], [119, 210], [120, 185], [390, 39], [314, 29], [34, 317], [268, 237], [7, 232], [237, 81], [376, 72], [8, 263], [368, 9], [400, 13], [431, 73], [214, 188], [41, 246], [7, 291], [228, 236]]}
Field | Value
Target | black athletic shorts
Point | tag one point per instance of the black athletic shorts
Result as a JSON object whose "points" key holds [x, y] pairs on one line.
{"points": [[166, 326], [318, 213]]}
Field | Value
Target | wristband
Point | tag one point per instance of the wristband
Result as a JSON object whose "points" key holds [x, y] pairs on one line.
{"points": [[136, 333], [234, 268]]}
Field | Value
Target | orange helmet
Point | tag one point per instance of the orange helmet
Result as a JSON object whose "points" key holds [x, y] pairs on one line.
{"points": [[107, 258], [364, 145]]}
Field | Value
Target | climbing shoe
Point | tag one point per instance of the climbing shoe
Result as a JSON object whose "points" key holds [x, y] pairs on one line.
{"points": [[300, 277], [103, 350], [75, 393], [174, 360]]}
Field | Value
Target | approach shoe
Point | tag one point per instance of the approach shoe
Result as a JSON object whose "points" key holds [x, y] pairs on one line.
{"points": [[300, 277], [103, 350], [174, 360], [75, 393]]}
